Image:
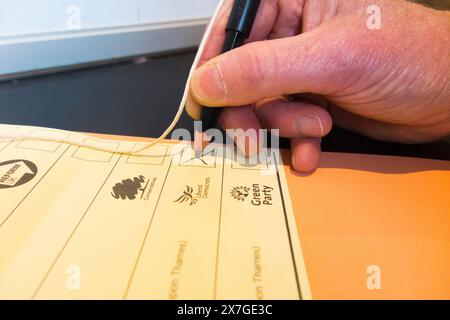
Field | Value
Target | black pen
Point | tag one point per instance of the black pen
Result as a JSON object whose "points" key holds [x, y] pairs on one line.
{"points": [[239, 27]]}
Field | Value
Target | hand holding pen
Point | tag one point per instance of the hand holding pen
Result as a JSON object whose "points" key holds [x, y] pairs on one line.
{"points": [[308, 65]]}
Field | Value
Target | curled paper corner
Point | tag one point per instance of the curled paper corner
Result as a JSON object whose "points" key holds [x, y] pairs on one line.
{"points": [[73, 138]]}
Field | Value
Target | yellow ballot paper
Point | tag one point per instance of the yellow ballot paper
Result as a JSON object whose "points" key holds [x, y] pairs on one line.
{"points": [[77, 223]]}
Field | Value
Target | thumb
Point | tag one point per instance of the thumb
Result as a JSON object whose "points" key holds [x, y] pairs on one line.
{"points": [[313, 62]]}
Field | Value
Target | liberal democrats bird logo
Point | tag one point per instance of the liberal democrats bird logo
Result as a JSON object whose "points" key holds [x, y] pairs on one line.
{"points": [[187, 196]]}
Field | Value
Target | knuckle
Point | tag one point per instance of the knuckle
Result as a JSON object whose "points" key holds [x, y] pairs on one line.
{"points": [[253, 64]]}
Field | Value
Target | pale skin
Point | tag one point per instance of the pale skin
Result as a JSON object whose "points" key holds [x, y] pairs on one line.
{"points": [[391, 84]]}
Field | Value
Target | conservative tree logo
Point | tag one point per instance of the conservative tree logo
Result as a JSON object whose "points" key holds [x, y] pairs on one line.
{"points": [[128, 188], [14, 173]]}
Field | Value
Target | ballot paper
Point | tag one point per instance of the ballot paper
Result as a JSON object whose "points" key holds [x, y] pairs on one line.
{"points": [[78, 223]]}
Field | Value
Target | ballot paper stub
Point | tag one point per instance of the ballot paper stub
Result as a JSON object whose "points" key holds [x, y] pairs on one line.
{"points": [[77, 223]]}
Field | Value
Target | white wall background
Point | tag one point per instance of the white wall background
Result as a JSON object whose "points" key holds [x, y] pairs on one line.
{"points": [[19, 17], [64, 30]]}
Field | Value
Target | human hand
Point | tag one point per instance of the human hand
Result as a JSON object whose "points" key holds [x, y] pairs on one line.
{"points": [[391, 84]]}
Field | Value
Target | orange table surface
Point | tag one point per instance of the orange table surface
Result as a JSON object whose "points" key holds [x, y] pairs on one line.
{"points": [[358, 211]]}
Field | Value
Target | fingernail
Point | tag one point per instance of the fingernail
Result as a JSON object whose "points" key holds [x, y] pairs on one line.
{"points": [[208, 84], [309, 125]]}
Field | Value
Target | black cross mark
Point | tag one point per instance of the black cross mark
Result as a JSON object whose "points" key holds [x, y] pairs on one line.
{"points": [[201, 156]]}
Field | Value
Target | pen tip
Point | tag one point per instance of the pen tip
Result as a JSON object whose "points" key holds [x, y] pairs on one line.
{"points": [[201, 141]]}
